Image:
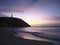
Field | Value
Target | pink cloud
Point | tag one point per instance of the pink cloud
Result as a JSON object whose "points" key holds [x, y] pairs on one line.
{"points": [[52, 19], [16, 10]]}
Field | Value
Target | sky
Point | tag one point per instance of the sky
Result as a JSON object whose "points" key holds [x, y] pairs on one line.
{"points": [[34, 12]]}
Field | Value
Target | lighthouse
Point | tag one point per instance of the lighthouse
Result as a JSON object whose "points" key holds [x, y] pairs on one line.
{"points": [[11, 15]]}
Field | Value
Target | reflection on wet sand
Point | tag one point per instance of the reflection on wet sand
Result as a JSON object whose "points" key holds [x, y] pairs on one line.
{"points": [[30, 36]]}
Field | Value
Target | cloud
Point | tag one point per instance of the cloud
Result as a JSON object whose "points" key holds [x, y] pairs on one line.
{"points": [[17, 10], [10, 10], [52, 19], [2, 15]]}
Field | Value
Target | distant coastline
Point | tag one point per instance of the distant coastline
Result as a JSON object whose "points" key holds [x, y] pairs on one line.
{"points": [[45, 26]]}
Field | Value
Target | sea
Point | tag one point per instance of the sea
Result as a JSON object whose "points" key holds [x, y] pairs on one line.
{"points": [[48, 34]]}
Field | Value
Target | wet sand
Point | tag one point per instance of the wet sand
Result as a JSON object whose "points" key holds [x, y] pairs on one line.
{"points": [[7, 38]]}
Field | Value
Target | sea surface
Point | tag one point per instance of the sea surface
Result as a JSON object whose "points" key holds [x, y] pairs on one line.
{"points": [[49, 34]]}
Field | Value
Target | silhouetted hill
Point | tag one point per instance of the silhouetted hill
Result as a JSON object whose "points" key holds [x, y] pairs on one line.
{"points": [[12, 22]]}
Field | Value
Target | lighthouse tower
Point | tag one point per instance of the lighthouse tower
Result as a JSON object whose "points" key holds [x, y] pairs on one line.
{"points": [[11, 15]]}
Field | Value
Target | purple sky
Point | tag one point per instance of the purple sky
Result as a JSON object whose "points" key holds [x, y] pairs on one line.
{"points": [[31, 9]]}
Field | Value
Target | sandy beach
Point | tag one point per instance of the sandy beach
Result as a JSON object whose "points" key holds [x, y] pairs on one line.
{"points": [[7, 38]]}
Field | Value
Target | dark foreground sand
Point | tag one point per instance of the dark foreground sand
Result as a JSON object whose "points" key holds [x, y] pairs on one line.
{"points": [[7, 38]]}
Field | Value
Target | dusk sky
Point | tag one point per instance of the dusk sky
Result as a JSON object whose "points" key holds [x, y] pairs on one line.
{"points": [[34, 12]]}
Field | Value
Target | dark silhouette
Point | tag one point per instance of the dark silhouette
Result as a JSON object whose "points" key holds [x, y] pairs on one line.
{"points": [[12, 22]]}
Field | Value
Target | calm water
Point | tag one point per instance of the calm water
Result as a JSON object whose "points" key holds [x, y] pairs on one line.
{"points": [[50, 34]]}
